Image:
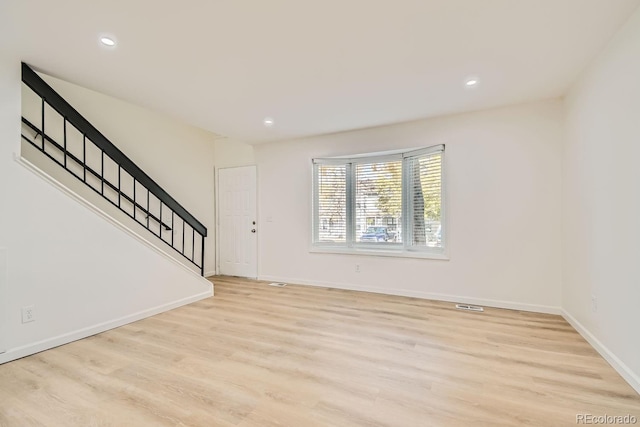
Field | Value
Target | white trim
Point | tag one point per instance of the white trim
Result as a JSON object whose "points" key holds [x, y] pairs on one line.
{"points": [[419, 152], [210, 273], [216, 219], [379, 156], [629, 376], [17, 353], [510, 305], [258, 220], [4, 268], [257, 225], [78, 198], [320, 249]]}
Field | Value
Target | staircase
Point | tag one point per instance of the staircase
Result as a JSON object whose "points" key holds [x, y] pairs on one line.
{"points": [[54, 130]]}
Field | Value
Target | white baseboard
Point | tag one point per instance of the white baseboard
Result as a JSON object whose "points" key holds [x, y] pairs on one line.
{"points": [[210, 273], [629, 376], [19, 352], [511, 305]]}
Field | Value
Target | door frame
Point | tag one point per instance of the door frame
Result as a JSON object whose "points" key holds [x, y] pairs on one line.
{"points": [[216, 175]]}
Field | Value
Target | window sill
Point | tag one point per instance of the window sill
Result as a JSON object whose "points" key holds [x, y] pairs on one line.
{"points": [[379, 252]]}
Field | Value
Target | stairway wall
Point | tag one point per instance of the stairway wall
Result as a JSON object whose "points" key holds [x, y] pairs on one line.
{"points": [[81, 274], [179, 157]]}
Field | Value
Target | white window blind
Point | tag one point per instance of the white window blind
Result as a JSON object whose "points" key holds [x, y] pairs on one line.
{"points": [[378, 196], [424, 179], [331, 203], [386, 201]]}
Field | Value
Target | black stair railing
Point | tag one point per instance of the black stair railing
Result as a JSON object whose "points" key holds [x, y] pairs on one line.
{"points": [[77, 146]]}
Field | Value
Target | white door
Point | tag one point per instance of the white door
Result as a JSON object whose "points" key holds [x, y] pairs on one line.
{"points": [[237, 229]]}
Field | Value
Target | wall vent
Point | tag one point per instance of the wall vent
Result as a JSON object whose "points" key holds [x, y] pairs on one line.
{"points": [[469, 307], [278, 284]]}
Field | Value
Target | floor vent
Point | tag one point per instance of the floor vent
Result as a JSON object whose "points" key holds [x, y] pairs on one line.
{"points": [[469, 307], [278, 285]]}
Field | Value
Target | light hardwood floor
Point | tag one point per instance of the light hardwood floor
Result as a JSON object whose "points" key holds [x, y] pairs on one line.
{"points": [[262, 356]]}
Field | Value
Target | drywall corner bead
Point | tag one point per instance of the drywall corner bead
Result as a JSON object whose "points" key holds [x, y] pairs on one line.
{"points": [[3, 296]]}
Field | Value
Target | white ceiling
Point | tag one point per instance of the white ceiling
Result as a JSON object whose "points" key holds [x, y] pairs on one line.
{"points": [[314, 66]]}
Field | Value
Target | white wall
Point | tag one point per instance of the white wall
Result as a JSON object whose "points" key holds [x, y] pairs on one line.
{"points": [[601, 202], [179, 157], [503, 191], [9, 128], [81, 273], [231, 153]]}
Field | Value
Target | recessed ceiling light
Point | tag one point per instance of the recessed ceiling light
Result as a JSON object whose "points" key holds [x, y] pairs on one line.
{"points": [[107, 41], [268, 122], [471, 82]]}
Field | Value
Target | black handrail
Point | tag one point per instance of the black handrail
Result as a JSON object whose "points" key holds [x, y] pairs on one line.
{"points": [[91, 171], [92, 136], [58, 103]]}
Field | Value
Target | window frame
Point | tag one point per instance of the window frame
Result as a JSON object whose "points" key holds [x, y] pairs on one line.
{"points": [[399, 249]]}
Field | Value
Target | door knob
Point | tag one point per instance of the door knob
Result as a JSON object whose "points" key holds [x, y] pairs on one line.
{"points": [[253, 230]]}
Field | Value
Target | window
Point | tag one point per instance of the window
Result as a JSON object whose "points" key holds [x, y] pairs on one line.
{"points": [[388, 203], [332, 203]]}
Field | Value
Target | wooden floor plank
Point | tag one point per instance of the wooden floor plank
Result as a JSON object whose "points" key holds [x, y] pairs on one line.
{"points": [[256, 355]]}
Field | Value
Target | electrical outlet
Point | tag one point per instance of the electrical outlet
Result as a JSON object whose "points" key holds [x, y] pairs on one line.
{"points": [[594, 304], [357, 268], [28, 314]]}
